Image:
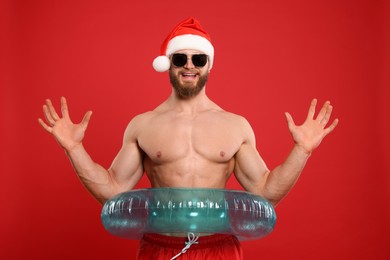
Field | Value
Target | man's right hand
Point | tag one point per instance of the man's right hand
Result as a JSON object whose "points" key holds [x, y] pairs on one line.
{"points": [[67, 134]]}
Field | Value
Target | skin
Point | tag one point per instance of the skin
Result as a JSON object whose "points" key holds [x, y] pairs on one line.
{"points": [[188, 142]]}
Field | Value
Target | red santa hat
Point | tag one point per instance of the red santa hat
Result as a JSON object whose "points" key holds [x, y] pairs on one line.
{"points": [[188, 34]]}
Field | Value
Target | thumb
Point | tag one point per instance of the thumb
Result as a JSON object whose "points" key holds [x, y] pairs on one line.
{"points": [[290, 120], [85, 121]]}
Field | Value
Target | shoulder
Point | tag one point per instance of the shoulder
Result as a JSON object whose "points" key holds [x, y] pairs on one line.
{"points": [[141, 120], [241, 124], [238, 120], [238, 123], [137, 123]]}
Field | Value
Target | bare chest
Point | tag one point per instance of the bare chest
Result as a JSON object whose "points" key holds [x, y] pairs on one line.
{"points": [[176, 139]]}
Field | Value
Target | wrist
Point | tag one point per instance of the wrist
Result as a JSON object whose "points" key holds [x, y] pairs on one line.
{"points": [[74, 148], [303, 149]]}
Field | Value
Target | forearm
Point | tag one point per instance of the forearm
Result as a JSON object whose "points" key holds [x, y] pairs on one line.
{"points": [[283, 177], [96, 179]]}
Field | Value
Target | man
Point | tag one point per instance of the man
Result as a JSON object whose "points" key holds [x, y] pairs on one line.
{"points": [[188, 141]]}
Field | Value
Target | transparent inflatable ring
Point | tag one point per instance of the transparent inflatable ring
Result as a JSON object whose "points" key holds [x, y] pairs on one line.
{"points": [[182, 210]]}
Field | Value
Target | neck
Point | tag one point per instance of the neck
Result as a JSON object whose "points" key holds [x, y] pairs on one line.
{"points": [[191, 104]]}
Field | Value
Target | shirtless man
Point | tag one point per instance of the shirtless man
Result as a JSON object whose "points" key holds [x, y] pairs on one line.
{"points": [[188, 141]]}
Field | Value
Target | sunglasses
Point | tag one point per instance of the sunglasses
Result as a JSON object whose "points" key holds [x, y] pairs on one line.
{"points": [[180, 59]]}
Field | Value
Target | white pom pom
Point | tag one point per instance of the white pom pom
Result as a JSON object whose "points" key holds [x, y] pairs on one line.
{"points": [[161, 63]]}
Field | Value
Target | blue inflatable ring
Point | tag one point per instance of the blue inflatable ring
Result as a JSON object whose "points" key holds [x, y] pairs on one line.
{"points": [[182, 210]]}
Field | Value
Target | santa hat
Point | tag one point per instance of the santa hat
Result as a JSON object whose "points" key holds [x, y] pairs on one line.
{"points": [[188, 34]]}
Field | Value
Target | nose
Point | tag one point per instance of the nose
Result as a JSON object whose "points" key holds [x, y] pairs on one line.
{"points": [[189, 64]]}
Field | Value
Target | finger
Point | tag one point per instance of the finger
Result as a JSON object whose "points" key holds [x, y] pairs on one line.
{"points": [[332, 126], [52, 110], [45, 126], [64, 107], [312, 108], [290, 120], [85, 121], [48, 116], [327, 115], [323, 111]]}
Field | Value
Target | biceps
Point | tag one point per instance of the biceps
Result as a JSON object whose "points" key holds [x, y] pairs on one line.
{"points": [[250, 169], [127, 167]]}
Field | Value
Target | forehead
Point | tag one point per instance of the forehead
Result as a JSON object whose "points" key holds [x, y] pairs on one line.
{"points": [[189, 51]]}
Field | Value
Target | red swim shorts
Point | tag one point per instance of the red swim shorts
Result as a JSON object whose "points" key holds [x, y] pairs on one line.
{"points": [[218, 246]]}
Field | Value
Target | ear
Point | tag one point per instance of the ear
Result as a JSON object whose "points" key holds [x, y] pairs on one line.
{"points": [[208, 67]]}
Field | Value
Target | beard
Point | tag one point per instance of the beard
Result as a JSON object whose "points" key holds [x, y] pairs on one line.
{"points": [[187, 91]]}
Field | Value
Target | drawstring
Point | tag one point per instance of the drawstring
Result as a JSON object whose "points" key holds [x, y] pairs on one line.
{"points": [[192, 239]]}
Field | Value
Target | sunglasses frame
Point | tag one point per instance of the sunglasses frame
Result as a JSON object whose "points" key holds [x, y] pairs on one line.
{"points": [[194, 62]]}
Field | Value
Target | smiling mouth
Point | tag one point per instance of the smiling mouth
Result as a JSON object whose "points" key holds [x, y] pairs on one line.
{"points": [[189, 75]]}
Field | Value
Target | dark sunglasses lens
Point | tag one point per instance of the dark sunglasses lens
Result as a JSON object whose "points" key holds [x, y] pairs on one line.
{"points": [[179, 60], [199, 60]]}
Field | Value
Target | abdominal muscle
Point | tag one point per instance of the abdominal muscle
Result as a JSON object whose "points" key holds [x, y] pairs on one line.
{"points": [[189, 174]]}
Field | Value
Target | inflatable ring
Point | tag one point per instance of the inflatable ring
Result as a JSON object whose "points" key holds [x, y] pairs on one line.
{"points": [[182, 210]]}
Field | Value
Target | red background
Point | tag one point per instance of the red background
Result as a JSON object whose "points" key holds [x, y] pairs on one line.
{"points": [[271, 57]]}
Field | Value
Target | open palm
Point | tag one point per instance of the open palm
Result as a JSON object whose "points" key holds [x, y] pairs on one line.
{"points": [[310, 134], [62, 128]]}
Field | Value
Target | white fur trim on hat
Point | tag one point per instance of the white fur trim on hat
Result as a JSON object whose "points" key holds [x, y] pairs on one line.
{"points": [[190, 42], [184, 42]]}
